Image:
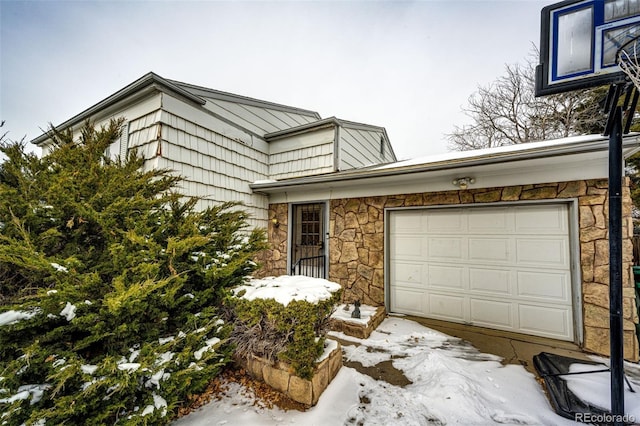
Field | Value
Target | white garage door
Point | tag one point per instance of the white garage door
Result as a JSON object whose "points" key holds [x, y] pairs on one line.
{"points": [[506, 268]]}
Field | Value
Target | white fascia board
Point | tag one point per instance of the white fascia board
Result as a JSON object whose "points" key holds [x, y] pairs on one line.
{"points": [[528, 172], [330, 121], [303, 128], [359, 126]]}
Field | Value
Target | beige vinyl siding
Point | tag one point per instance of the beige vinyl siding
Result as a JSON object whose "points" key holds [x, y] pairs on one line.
{"points": [[360, 147], [212, 192], [303, 162], [304, 154], [207, 121], [215, 167]]}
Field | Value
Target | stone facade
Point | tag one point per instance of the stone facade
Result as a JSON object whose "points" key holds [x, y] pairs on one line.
{"points": [[356, 246], [274, 259]]}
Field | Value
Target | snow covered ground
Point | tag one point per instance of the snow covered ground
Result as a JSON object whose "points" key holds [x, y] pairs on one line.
{"points": [[452, 383]]}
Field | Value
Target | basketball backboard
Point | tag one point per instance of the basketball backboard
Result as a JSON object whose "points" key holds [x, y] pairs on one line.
{"points": [[579, 41]]}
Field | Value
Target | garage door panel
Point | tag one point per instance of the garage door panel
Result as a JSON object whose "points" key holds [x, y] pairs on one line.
{"points": [[405, 222], [545, 219], [408, 301], [446, 306], [544, 285], [404, 247], [408, 274], [451, 277], [493, 281], [443, 221], [546, 321], [550, 252], [491, 313], [505, 267], [441, 248], [489, 249], [486, 221]]}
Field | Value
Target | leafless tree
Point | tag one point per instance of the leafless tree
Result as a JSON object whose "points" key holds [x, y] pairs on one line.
{"points": [[507, 112]]}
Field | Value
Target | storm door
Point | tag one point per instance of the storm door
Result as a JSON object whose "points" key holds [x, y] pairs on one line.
{"points": [[307, 240]]}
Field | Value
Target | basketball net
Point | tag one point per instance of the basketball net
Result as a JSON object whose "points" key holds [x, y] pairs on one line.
{"points": [[629, 60]]}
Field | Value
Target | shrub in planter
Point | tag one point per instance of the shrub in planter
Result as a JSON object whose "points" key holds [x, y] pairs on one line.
{"points": [[283, 319]]}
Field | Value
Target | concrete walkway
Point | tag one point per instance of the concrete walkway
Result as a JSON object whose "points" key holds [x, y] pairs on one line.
{"points": [[512, 347]]}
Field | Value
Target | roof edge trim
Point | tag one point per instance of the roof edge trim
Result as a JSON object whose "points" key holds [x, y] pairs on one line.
{"points": [[146, 80], [324, 122], [246, 100], [632, 142]]}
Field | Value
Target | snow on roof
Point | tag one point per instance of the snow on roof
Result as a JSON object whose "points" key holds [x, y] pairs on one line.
{"points": [[287, 288], [507, 149]]}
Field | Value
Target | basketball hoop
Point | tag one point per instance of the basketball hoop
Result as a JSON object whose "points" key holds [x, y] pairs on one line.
{"points": [[628, 58]]}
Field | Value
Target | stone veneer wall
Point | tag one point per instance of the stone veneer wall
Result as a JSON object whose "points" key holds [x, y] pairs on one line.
{"points": [[274, 259], [356, 246]]}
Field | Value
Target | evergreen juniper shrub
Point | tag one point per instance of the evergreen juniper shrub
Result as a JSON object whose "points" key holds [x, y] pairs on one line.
{"points": [[110, 285]]}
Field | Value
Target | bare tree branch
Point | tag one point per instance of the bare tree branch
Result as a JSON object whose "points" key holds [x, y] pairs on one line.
{"points": [[507, 112]]}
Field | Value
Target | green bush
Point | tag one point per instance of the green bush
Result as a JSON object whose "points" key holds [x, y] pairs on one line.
{"points": [[110, 286], [294, 333]]}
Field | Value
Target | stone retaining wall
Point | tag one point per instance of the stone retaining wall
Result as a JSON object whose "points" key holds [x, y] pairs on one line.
{"points": [[356, 246], [279, 376]]}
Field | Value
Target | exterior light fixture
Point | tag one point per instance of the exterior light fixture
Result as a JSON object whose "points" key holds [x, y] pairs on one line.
{"points": [[275, 222], [463, 182]]}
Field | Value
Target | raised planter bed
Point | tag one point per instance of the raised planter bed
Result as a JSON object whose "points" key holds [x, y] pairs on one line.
{"points": [[280, 376], [370, 319], [280, 326]]}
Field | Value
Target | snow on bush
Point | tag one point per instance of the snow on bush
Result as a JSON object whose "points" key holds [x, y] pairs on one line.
{"points": [[12, 317], [287, 288], [130, 325]]}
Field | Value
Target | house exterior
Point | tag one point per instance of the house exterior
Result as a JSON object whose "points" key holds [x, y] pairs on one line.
{"points": [[511, 238], [221, 142]]}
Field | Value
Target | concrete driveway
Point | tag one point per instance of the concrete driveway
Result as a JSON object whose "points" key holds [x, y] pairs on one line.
{"points": [[512, 347]]}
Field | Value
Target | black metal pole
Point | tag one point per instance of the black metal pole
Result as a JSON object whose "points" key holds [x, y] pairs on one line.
{"points": [[615, 268]]}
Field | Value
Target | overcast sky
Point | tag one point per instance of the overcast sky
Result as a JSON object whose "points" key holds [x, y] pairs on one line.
{"points": [[406, 66]]}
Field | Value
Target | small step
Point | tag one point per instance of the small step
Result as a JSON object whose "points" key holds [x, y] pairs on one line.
{"points": [[370, 318]]}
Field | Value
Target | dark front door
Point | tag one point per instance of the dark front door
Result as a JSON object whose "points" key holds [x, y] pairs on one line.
{"points": [[307, 240]]}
